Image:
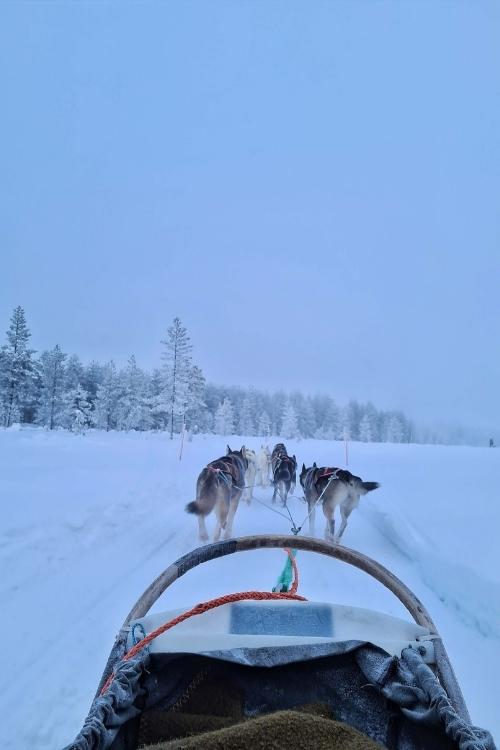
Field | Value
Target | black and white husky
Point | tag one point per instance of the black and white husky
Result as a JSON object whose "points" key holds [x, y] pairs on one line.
{"points": [[334, 488], [284, 468]]}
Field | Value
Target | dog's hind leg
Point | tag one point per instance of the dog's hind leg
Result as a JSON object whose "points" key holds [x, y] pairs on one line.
{"points": [[233, 507], [275, 491], [283, 492], [330, 522], [345, 512], [249, 483], [202, 529], [217, 531], [221, 513], [312, 518]]}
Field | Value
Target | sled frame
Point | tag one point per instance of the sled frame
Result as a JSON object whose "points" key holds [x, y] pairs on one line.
{"points": [[419, 613]]}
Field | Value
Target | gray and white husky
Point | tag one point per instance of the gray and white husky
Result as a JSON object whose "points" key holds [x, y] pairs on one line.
{"points": [[336, 488], [251, 457], [220, 486]]}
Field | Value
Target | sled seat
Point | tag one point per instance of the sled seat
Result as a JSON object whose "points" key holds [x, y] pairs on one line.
{"points": [[282, 630]]}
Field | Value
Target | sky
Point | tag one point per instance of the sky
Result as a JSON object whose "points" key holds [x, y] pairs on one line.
{"points": [[312, 187]]}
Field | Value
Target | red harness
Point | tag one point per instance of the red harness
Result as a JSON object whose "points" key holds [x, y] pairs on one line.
{"points": [[229, 468], [327, 472]]}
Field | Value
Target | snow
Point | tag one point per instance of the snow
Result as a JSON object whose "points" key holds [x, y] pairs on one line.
{"points": [[89, 520]]}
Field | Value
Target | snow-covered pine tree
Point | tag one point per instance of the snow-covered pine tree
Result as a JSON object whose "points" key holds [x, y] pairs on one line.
{"points": [[326, 416], [176, 370], [51, 399], [213, 397], [344, 425], [154, 398], [93, 377], [246, 423], [224, 418], [289, 426], [264, 425], [195, 409], [365, 429], [277, 407], [305, 414], [352, 418], [105, 414], [74, 373], [372, 421], [133, 410], [17, 372], [394, 428], [78, 410]]}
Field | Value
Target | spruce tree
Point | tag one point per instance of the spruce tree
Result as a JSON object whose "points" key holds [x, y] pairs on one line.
{"points": [[365, 430], [176, 370], [195, 408], [224, 418], [133, 411], [246, 423], [17, 372], [105, 415], [264, 425], [78, 410], [51, 405], [74, 373], [289, 426]]}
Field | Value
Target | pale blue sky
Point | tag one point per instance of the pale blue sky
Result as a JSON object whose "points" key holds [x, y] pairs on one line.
{"points": [[313, 187]]}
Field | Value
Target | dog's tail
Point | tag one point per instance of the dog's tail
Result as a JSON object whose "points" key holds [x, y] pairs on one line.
{"points": [[369, 486], [194, 508]]}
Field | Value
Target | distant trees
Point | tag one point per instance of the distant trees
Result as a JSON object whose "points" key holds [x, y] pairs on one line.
{"points": [[224, 418], [59, 391], [289, 424], [264, 424], [246, 421]]}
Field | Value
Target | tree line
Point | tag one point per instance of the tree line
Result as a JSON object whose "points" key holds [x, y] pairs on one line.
{"points": [[56, 390]]}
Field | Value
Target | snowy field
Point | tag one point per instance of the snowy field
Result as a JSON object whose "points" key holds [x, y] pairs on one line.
{"points": [[88, 521]]}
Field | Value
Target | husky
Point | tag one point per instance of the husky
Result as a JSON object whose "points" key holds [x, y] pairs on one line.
{"points": [[250, 474], [336, 488], [263, 466], [220, 486], [284, 469]]}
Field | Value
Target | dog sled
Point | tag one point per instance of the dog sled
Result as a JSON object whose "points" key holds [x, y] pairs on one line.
{"points": [[273, 670]]}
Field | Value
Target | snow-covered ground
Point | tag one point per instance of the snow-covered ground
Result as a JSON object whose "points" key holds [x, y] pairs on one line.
{"points": [[88, 521]]}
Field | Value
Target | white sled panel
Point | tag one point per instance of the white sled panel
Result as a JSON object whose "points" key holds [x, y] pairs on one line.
{"points": [[258, 624]]}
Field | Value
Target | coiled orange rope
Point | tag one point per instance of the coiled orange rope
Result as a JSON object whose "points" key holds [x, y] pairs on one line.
{"points": [[199, 609]]}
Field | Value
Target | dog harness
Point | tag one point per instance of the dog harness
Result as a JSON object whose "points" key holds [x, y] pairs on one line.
{"points": [[228, 470]]}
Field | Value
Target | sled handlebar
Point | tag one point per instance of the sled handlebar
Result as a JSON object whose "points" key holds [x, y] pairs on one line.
{"points": [[308, 544]]}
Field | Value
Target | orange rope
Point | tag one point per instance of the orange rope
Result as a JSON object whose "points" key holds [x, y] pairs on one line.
{"points": [[199, 609]]}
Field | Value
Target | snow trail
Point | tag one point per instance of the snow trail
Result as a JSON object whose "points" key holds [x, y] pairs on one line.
{"points": [[93, 520]]}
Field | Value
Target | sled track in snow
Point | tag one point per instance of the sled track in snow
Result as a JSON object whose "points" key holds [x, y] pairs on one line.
{"points": [[478, 608]]}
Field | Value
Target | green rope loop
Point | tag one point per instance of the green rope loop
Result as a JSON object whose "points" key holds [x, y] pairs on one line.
{"points": [[284, 582]]}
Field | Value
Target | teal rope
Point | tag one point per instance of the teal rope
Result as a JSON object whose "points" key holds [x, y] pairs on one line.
{"points": [[284, 582]]}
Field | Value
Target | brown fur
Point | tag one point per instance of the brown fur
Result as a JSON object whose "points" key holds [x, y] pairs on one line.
{"points": [[220, 486], [337, 488]]}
